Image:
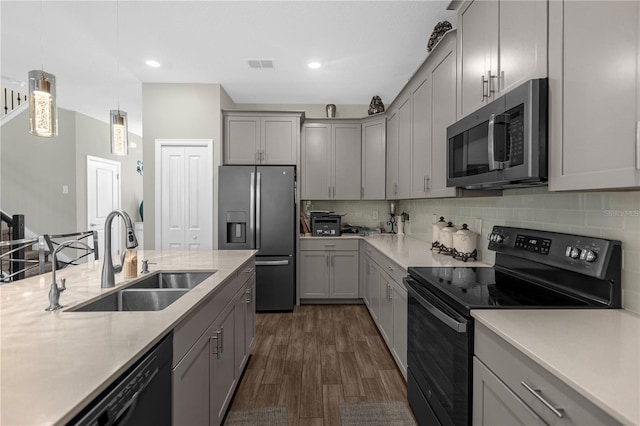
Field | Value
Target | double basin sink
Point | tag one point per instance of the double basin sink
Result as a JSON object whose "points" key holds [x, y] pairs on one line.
{"points": [[152, 293]]}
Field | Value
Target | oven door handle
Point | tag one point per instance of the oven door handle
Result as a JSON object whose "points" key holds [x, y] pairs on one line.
{"points": [[460, 327]]}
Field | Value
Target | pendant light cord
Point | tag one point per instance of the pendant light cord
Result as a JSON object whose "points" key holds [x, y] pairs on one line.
{"points": [[118, 53], [42, 35]]}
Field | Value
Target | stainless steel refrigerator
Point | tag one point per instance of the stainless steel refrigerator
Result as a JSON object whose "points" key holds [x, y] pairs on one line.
{"points": [[256, 210]]}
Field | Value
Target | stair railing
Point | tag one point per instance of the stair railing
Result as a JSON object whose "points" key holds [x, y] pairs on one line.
{"points": [[13, 264], [12, 100]]}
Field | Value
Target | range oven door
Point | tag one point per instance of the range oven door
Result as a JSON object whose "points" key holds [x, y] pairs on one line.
{"points": [[439, 356]]}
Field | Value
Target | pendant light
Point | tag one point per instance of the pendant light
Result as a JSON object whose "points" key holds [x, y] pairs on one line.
{"points": [[118, 118], [43, 113]]}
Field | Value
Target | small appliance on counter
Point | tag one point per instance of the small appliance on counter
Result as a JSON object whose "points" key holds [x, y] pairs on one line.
{"points": [[325, 224]]}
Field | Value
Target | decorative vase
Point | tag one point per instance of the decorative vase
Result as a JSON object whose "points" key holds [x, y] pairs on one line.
{"points": [[376, 106], [331, 110]]}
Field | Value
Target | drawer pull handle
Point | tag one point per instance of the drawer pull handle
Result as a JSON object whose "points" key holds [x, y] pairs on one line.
{"points": [[537, 393], [329, 245]]}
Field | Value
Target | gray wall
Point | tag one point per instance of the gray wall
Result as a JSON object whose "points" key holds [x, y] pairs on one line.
{"points": [[34, 170], [93, 138], [313, 110], [179, 111]]}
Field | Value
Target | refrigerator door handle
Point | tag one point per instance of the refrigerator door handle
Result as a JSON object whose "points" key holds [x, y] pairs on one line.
{"points": [[252, 207], [258, 218], [271, 262]]}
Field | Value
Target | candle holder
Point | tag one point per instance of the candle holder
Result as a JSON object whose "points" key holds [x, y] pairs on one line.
{"points": [[392, 222]]}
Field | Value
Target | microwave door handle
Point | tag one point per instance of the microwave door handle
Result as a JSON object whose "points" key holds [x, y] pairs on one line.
{"points": [[493, 164]]}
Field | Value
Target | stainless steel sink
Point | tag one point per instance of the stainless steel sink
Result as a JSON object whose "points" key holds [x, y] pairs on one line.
{"points": [[133, 300], [186, 280], [151, 293]]}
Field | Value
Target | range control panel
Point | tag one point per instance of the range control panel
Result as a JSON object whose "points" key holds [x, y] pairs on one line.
{"points": [[586, 255]]}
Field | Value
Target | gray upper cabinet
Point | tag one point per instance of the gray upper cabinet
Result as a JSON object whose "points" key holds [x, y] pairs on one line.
{"points": [[261, 137], [594, 137], [331, 166], [421, 136], [404, 149], [442, 97], [392, 155], [373, 158], [417, 127], [501, 44]]}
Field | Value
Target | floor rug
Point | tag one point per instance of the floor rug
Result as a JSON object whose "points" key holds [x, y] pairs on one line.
{"points": [[276, 416], [393, 413]]}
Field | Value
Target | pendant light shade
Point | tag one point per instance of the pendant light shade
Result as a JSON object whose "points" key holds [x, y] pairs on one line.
{"points": [[119, 132], [43, 113]]}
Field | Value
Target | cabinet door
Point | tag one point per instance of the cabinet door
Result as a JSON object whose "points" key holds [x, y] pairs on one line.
{"points": [[477, 36], [250, 312], [190, 378], [593, 103], [223, 377], [314, 274], [523, 43], [442, 76], [241, 139], [421, 138], [404, 150], [344, 283], [347, 152], [392, 156], [373, 159], [399, 302], [385, 316], [316, 167], [495, 404], [279, 140]]}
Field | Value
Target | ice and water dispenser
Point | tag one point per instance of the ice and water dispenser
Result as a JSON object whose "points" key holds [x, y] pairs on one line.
{"points": [[237, 227]]}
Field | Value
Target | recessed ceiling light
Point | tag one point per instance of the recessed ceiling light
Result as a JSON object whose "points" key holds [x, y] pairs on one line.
{"points": [[152, 63], [314, 65]]}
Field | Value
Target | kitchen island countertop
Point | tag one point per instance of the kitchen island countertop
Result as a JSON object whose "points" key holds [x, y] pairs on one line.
{"points": [[596, 352], [54, 363]]}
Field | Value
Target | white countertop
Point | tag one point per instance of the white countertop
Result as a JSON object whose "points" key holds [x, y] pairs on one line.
{"points": [[594, 351], [407, 251], [54, 363]]}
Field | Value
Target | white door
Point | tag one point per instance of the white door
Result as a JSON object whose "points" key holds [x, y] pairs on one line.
{"points": [[103, 196], [184, 194]]}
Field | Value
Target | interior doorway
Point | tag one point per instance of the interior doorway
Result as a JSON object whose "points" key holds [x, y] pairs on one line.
{"points": [[103, 196], [184, 194]]}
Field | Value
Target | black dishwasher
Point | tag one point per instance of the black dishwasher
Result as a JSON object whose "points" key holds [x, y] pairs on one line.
{"points": [[142, 395]]}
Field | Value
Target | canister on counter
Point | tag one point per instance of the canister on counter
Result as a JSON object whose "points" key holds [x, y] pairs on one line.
{"points": [[436, 227], [464, 240], [446, 235]]}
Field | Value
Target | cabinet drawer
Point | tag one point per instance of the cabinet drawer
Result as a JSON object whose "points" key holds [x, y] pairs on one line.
{"points": [[518, 371], [395, 271], [324, 243], [187, 332]]}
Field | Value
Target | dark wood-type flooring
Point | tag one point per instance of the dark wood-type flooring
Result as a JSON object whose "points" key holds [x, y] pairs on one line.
{"points": [[315, 357]]}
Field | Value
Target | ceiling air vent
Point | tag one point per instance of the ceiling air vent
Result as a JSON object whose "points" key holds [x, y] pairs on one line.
{"points": [[260, 63]]}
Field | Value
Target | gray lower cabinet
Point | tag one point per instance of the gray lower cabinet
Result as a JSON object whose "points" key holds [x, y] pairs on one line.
{"points": [[329, 269], [210, 352], [386, 299], [511, 389], [495, 404]]}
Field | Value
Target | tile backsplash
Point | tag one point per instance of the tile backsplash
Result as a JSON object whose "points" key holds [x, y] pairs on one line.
{"points": [[612, 215]]}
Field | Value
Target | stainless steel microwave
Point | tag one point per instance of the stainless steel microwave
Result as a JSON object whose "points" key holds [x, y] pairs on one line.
{"points": [[503, 144]]}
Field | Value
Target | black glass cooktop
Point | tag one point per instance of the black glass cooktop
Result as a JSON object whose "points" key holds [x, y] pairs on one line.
{"points": [[487, 288]]}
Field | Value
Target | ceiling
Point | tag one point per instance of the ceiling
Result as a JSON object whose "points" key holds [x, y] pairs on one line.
{"points": [[97, 49]]}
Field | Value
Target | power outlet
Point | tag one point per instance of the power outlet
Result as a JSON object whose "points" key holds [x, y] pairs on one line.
{"points": [[374, 214]]}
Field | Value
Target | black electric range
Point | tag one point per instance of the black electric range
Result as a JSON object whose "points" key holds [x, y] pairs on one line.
{"points": [[533, 270]]}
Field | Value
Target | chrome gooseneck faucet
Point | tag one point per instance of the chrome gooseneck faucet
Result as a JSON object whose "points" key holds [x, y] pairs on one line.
{"points": [[108, 270], [54, 293]]}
